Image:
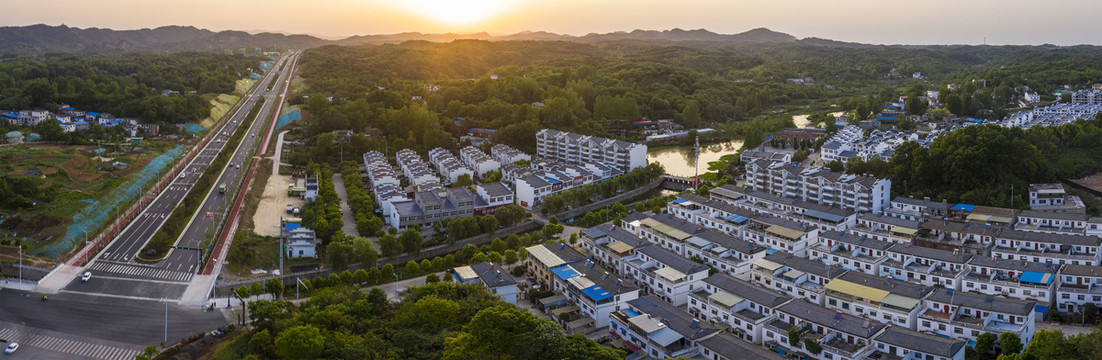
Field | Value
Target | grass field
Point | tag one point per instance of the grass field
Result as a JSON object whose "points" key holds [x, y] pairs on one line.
{"points": [[80, 176], [243, 86], [221, 105], [722, 163]]}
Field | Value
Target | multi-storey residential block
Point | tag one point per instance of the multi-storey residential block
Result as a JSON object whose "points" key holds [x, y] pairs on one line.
{"points": [[531, 190], [658, 329], [1053, 198], [1079, 285], [842, 336], [1048, 248], [723, 252], [886, 228], [881, 299], [957, 236], [611, 246], [431, 206], [450, 167], [582, 149], [478, 161], [667, 231], [795, 276], [543, 258], [494, 195], [712, 214], [508, 155], [781, 234], [745, 307], [1052, 222], [547, 177], [903, 344], [1012, 278], [929, 267], [379, 171], [665, 274], [915, 209], [965, 316], [595, 291], [819, 185], [850, 252], [499, 283]]}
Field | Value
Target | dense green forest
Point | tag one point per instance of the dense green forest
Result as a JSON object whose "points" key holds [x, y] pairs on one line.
{"points": [[434, 321], [124, 85]]}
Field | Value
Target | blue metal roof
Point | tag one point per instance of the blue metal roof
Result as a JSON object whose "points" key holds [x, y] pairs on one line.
{"points": [[291, 226], [564, 272], [1036, 277], [964, 207], [679, 201], [630, 312], [552, 180], [737, 219], [92, 113], [596, 293], [770, 251]]}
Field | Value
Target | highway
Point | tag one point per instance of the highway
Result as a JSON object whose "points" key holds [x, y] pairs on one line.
{"points": [[117, 275]]}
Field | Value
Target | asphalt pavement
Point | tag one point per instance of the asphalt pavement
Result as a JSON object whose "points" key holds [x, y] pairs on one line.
{"points": [[82, 327]]}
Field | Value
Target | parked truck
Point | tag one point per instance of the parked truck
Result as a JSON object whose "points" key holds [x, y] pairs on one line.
{"points": [[295, 211], [290, 208], [222, 189]]}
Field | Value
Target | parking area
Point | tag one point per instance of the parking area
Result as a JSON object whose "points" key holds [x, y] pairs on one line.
{"points": [[273, 205]]}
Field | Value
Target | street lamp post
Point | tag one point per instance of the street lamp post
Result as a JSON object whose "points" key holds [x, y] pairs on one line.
{"points": [[298, 281], [165, 300]]}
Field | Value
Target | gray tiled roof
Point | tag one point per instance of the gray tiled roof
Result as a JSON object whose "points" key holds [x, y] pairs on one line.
{"points": [[672, 260], [762, 296], [983, 302], [492, 277], [675, 318], [925, 252], [926, 343], [832, 319]]}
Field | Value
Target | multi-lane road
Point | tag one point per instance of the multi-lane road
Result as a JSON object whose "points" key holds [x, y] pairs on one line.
{"points": [[116, 274]]}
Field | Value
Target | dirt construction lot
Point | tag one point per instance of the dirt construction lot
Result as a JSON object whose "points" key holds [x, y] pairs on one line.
{"points": [[273, 205]]}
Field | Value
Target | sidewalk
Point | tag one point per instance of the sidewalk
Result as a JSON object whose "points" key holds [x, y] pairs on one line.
{"points": [[346, 211], [62, 275], [15, 284]]}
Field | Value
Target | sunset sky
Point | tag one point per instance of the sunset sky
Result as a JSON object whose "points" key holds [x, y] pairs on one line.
{"points": [[1063, 22]]}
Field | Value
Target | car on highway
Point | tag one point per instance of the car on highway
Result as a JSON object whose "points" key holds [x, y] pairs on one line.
{"points": [[11, 348], [86, 277]]}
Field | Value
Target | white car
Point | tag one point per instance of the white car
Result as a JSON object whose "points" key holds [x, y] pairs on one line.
{"points": [[87, 275], [11, 348]]}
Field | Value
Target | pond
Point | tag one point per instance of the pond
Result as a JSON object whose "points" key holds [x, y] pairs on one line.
{"points": [[680, 160]]}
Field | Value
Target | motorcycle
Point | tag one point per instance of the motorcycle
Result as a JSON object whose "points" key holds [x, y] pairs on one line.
{"points": [[43, 297]]}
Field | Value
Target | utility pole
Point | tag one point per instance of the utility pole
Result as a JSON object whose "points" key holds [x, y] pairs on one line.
{"points": [[20, 264], [696, 164], [165, 300]]}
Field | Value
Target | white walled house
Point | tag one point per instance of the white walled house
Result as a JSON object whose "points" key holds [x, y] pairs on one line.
{"points": [[798, 277], [780, 234], [1013, 279], [743, 306], [842, 336], [595, 291], [1079, 285], [929, 267], [850, 252], [1048, 248], [658, 329], [872, 297], [965, 316], [665, 274], [886, 228], [498, 282], [611, 246], [903, 344]]}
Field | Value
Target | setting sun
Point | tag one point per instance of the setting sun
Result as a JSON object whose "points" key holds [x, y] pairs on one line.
{"points": [[458, 12]]}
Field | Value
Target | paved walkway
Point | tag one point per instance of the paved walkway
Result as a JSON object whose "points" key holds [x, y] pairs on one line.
{"points": [[278, 153], [346, 211]]}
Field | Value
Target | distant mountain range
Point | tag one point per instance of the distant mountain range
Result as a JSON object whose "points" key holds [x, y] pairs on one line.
{"points": [[37, 39]]}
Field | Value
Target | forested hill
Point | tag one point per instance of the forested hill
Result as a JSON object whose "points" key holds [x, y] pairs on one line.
{"points": [[38, 39]]}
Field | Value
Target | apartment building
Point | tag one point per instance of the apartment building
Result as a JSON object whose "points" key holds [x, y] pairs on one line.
{"points": [[1078, 285], [495, 195], [548, 177], [379, 171], [1013, 279], [957, 236], [886, 228], [1053, 198], [842, 336], [880, 299], [478, 161], [584, 149], [667, 231], [745, 307], [781, 234], [850, 252], [448, 166], [1052, 222], [417, 172], [929, 267], [859, 193], [499, 283], [661, 331], [754, 154], [504, 154], [724, 252], [796, 276], [712, 214], [611, 246], [545, 257], [903, 344], [916, 210], [431, 206], [595, 291], [1048, 248], [665, 274], [965, 316]]}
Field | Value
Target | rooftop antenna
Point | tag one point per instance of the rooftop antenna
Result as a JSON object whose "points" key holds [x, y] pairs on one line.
{"points": [[696, 150]]}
